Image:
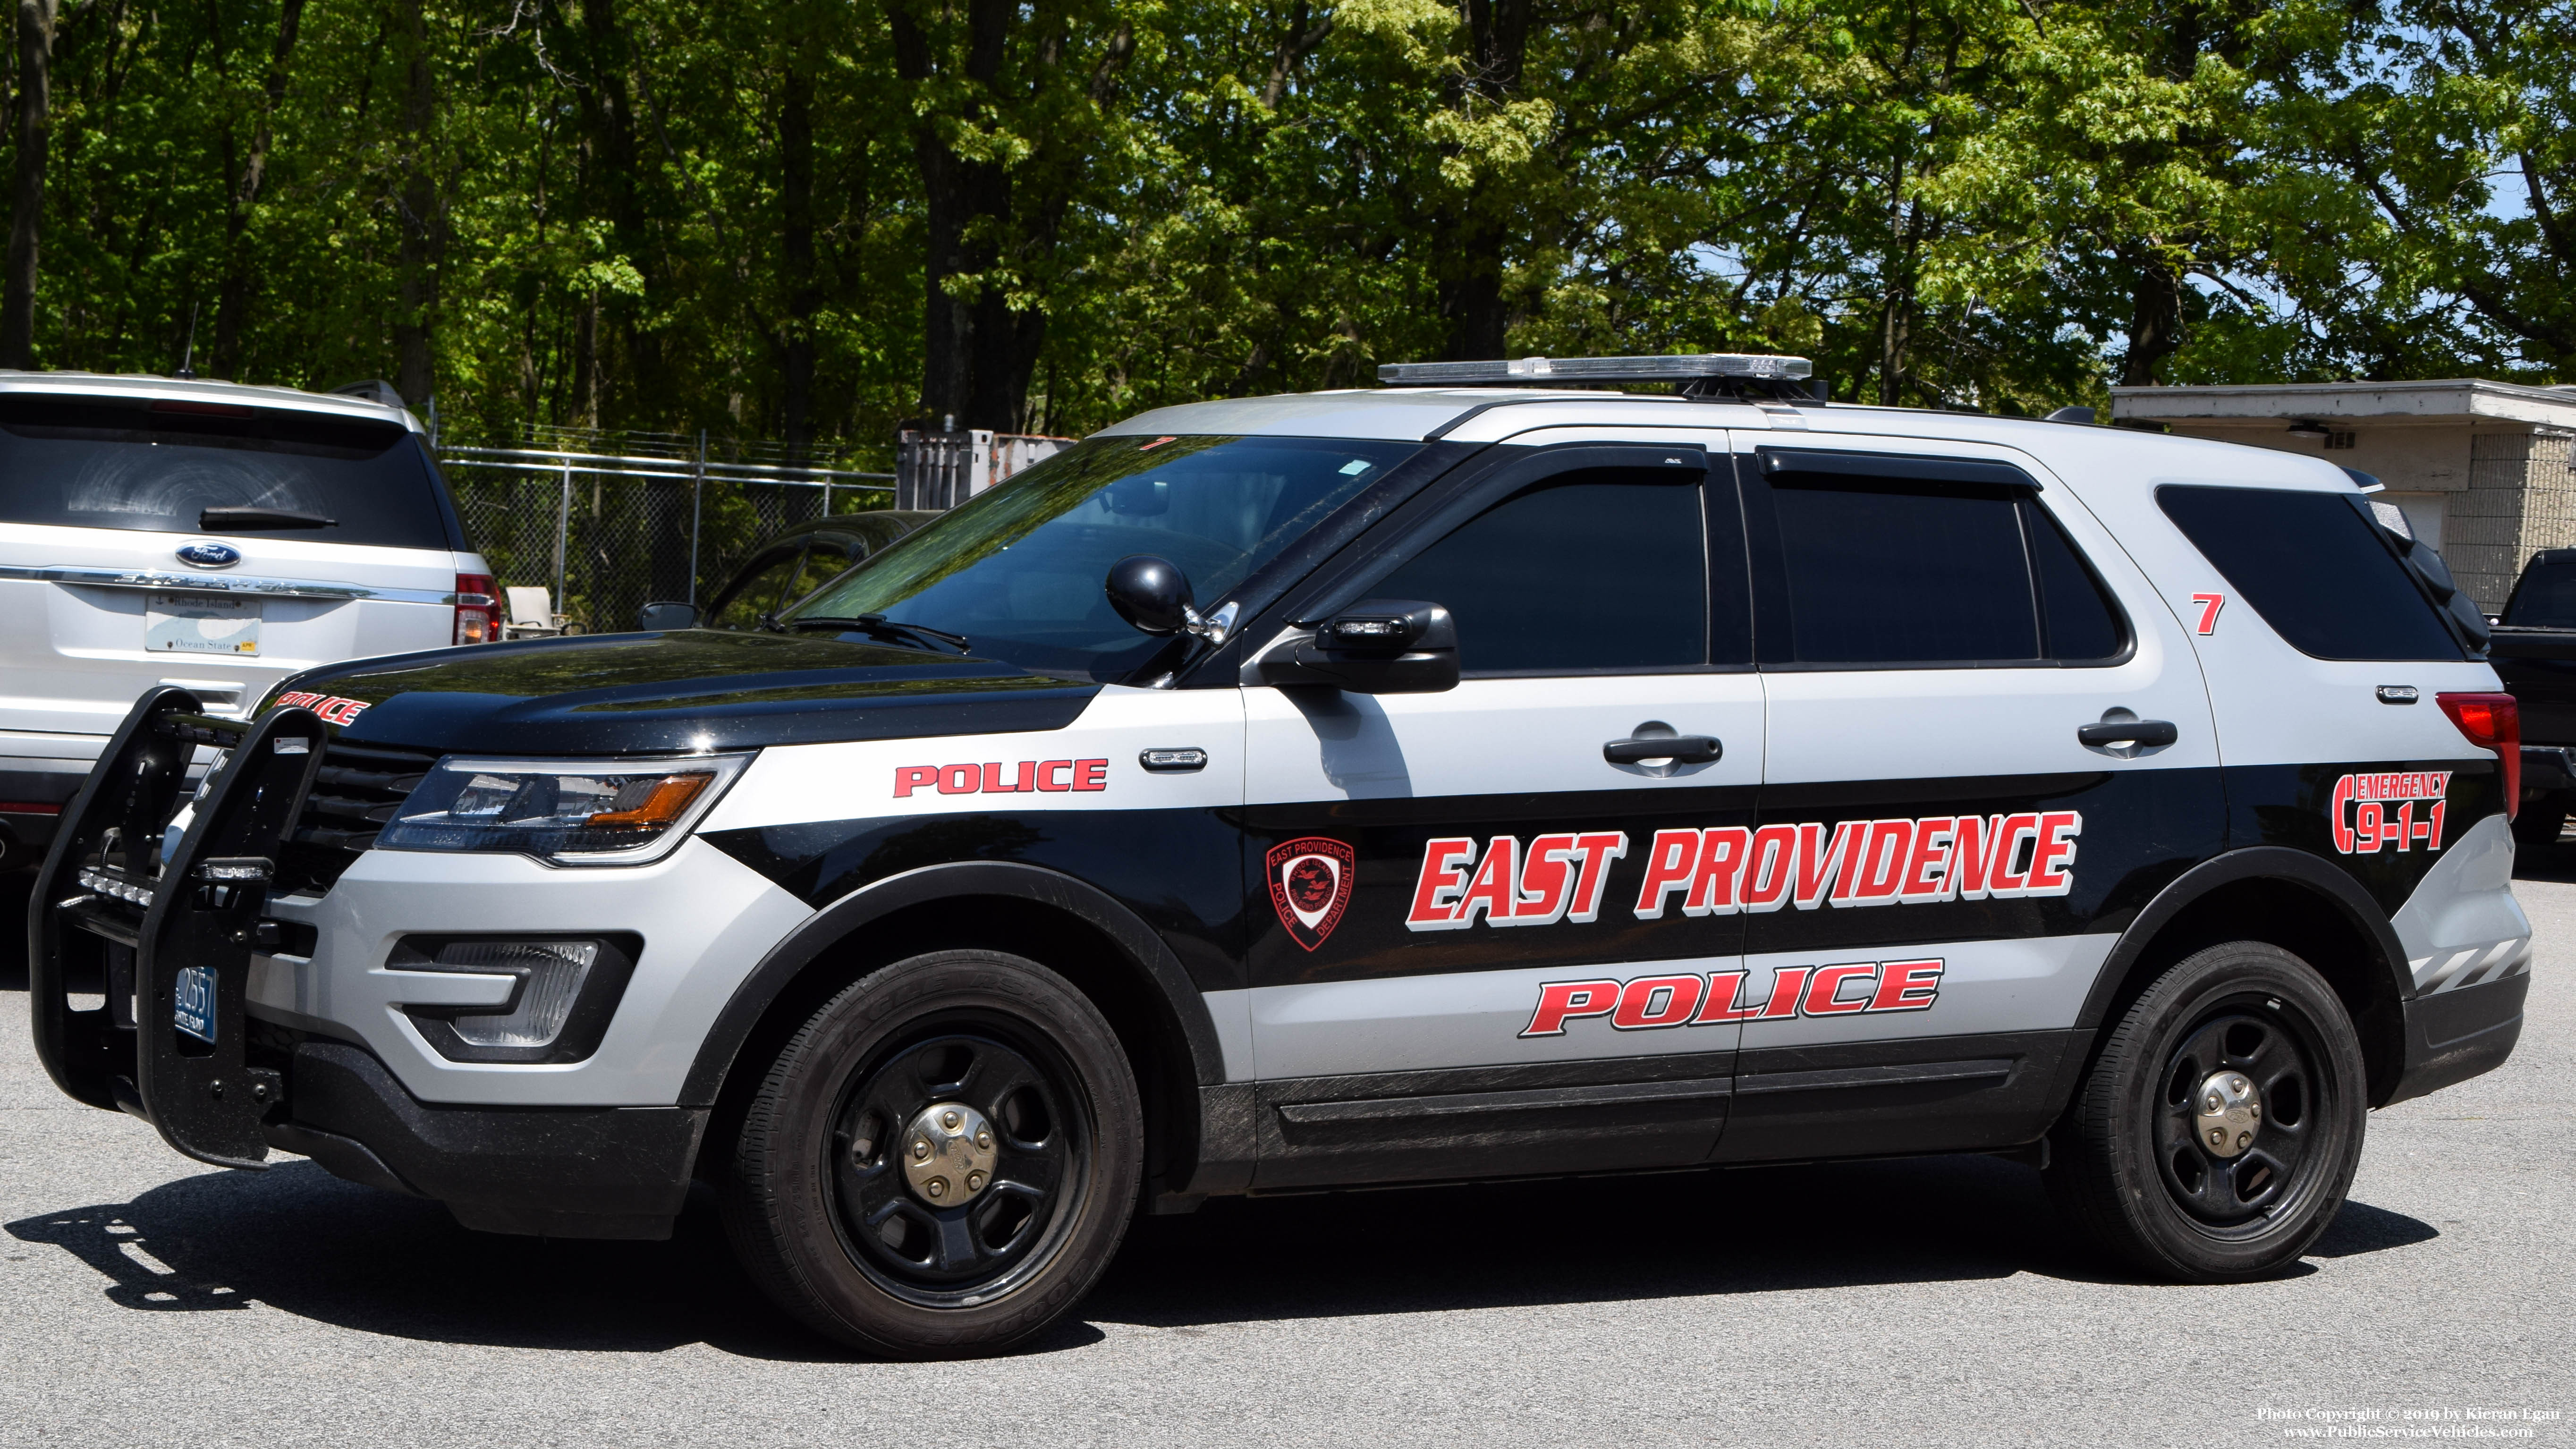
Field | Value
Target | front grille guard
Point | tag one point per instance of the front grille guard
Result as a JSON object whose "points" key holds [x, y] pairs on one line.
{"points": [[105, 899]]}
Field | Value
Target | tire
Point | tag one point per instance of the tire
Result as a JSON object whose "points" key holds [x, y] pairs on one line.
{"points": [[2536, 825], [2130, 1165], [832, 1210]]}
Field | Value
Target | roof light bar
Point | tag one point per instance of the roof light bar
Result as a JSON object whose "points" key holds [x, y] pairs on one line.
{"points": [[1687, 367]]}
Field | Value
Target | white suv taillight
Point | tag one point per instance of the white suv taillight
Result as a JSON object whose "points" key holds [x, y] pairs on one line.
{"points": [[478, 609]]}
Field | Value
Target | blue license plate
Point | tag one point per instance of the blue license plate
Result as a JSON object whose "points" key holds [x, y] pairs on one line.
{"points": [[192, 1006]]}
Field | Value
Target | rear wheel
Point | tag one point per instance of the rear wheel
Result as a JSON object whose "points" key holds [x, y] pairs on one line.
{"points": [[2217, 1133], [942, 1160]]}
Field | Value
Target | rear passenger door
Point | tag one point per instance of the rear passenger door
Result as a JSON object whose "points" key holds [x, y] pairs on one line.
{"points": [[1457, 964], [1989, 744]]}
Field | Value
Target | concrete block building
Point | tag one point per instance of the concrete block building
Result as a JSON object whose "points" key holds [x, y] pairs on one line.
{"points": [[2482, 468]]}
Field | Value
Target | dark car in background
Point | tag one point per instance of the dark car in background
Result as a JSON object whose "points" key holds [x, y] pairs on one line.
{"points": [[790, 566], [2534, 651]]}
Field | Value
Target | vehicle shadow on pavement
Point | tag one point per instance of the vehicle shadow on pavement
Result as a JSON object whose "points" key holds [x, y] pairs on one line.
{"points": [[297, 1240], [1747, 1231]]}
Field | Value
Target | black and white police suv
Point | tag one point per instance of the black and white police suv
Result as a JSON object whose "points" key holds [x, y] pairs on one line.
{"points": [[1476, 778]]}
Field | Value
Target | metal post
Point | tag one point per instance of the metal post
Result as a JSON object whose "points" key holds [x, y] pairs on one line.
{"points": [[563, 527], [697, 512]]}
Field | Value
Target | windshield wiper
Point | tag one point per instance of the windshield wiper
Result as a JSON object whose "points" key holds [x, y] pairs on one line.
{"points": [[217, 520], [878, 626]]}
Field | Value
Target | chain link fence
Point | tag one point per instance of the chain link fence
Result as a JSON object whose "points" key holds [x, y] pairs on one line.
{"points": [[607, 523]]}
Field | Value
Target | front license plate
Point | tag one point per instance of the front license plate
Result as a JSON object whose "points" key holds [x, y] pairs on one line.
{"points": [[192, 1005], [200, 624]]}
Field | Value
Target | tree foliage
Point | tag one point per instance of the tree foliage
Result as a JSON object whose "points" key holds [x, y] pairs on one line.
{"points": [[809, 219]]}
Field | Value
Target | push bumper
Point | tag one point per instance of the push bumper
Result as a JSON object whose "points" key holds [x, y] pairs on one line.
{"points": [[2459, 1033], [562, 1172]]}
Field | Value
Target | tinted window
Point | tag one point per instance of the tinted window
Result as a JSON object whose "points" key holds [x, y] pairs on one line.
{"points": [[2545, 599], [2315, 568], [2075, 610], [761, 592], [1594, 570], [1891, 573], [86, 463], [1018, 568]]}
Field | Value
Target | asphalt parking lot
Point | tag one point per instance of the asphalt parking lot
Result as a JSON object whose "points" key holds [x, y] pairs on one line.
{"points": [[145, 1298]]}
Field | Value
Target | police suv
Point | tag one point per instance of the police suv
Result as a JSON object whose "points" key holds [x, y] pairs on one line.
{"points": [[1480, 777]]}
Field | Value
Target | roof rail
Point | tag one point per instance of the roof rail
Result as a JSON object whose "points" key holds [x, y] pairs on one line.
{"points": [[1698, 374], [373, 389]]}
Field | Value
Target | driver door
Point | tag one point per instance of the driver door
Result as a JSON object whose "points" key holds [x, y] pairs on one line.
{"points": [[1479, 944]]}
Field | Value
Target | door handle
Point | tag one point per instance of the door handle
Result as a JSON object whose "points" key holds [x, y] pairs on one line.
{"points": [[2128, 732], [1680, 749]]}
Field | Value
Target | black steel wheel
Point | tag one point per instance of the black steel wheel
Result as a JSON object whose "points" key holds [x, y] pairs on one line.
{"points": [[2218, 1130], [945, 1253], [942, 1161]]}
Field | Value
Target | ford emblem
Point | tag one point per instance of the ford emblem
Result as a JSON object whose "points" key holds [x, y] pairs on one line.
{"points": [[209, 555]]}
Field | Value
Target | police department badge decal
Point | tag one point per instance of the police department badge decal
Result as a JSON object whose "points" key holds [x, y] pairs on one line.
{"points": [[1310, 886]]}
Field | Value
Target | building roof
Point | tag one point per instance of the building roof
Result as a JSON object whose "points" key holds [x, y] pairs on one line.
{"points": [[2439, 399]]}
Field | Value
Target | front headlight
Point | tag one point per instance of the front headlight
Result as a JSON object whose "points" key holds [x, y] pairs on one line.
{"points": [[568, 812]]}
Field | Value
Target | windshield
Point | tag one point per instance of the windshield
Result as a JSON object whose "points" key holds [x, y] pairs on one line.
{"points": [[1018, 570], [215, 468], [2547, 598]]}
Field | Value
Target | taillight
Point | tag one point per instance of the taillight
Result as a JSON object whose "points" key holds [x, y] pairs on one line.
{"points": [[2492, 722], [478, 609]]}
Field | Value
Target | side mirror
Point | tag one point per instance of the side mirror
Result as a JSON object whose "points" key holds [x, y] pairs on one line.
{"points": [[1377, 646], [1153, 594], [666, 614]]}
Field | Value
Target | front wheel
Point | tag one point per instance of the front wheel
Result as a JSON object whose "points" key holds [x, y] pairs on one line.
{"points": [[2216, 1135], [941, 1161]]}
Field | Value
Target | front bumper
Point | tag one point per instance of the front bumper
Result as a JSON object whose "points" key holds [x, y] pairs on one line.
{"points": [[573, 1172], [237, 1020]]}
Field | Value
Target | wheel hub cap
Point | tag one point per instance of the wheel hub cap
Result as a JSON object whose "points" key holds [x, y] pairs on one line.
{"points": [[2226, 1113], [948, 1154]]}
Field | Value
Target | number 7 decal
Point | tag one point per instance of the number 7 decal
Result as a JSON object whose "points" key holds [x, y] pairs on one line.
{"points": [[2210, 604]]}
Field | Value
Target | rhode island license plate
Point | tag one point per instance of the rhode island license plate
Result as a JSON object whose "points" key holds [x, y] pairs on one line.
{"points": [[200, 624], [192, 1004]]}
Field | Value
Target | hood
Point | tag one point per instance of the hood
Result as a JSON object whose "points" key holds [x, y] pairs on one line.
{"points": [[696, 689]]}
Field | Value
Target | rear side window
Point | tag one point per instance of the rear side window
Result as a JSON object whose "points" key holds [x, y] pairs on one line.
{"points": [[1602, 569], [2314, 567], [1886, 570], [160, 468], [2545, 599]]}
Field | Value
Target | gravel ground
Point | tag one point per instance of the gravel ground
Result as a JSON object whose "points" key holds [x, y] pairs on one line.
{"points": [[144, 1298]]}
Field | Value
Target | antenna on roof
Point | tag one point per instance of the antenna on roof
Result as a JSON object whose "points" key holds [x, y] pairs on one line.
{"points": [[1697, 374], [188, 358]]}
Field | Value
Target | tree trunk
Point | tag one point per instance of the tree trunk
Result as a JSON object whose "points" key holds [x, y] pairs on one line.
{"points": [[27, 199], [796, 256], [1471, 232], [2155, 321], [416, 299], [608, 125], [966, 202], [232, 299], [585, 364]]}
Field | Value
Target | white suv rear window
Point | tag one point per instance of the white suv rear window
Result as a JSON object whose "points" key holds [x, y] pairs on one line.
{"points": [[215, 468]]}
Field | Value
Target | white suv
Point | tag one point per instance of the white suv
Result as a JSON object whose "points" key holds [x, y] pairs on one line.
{"points": [[218, 537], [1432, 784]]}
